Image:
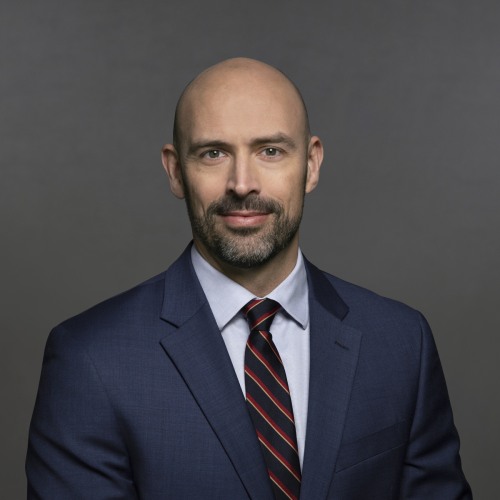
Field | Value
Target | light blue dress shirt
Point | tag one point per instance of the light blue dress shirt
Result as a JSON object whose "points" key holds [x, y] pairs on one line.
{"points": [[290, 328]]}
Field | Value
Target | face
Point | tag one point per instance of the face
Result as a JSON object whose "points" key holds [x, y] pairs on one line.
{"points": [[244, 167]]}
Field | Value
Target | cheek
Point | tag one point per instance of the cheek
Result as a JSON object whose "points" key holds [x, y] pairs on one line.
{"points": [[202, 194], [290, 192], [297, 203]]}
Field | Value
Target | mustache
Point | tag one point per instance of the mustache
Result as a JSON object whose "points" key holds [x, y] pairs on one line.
{"points": [[251, 203]]}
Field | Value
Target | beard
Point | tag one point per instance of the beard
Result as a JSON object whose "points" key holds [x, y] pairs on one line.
{"points": [[244, 247]]}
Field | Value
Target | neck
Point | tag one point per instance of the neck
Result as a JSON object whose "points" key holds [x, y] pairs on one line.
{"points": [[259, 280]]}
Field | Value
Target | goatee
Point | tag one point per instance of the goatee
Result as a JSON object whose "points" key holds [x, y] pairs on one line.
{"points": [[244, 247]]}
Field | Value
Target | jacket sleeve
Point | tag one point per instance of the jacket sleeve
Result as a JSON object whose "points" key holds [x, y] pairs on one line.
{"points": [[432, 467], [76, 449]]}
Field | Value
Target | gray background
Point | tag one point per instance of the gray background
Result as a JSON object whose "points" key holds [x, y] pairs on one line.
{"points": [[405, 95]]}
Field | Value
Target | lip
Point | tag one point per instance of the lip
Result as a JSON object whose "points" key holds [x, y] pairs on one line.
{"points": [[244, 218]]}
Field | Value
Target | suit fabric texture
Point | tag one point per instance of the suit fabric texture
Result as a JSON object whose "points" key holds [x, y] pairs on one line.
{"points": [[138, 399]]}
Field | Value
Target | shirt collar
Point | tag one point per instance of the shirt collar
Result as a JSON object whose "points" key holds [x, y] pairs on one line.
{"points": [[226, 297]]}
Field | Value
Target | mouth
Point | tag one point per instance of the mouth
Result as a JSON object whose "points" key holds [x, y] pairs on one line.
{"points": [[244, 218]]}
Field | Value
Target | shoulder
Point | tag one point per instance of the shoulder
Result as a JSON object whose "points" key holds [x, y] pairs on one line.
{"points": [[395, 338], [113, 320], [378, 317], [351, 300], [367, 302], [137, 317]]}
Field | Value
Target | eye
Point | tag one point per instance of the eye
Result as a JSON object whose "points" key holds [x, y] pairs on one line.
{"points": [[213, 154], [271, 152]]}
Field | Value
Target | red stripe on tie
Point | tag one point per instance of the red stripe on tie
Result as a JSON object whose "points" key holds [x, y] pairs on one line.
{"points": [[278, 456], [270, 343], [269, 394], [272, 423], [270, 369], [264, 316], [281, 486], [252, 304]]}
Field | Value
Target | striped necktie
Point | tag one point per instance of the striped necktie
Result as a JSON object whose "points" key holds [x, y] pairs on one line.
{"points": [[268, 400]]}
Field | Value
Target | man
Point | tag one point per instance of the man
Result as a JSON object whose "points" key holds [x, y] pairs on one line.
{"points": [[175, 390]]}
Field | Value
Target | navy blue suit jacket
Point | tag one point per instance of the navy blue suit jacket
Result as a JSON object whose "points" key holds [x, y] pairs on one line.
{"points": [[138, 399]]}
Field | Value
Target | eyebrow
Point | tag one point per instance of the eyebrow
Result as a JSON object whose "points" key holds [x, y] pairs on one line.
{"points": [[279, 138]]}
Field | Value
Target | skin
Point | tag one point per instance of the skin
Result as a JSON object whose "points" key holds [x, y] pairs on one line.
{"points": [[244, 144]]}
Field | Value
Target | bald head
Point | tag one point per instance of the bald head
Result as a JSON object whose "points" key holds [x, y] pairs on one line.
{"points": [[244, 160], [238, 78]]}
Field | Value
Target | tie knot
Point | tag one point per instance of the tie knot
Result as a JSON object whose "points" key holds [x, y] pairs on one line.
{"points": [[260, 313]]}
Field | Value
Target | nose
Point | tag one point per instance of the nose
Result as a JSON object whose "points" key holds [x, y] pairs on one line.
{"points": [[243, 177]]}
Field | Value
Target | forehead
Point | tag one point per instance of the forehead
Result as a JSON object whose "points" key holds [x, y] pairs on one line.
{"points": [[236, 107]]}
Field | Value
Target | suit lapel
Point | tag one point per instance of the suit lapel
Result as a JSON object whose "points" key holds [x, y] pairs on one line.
{"points": [[334, 356], [195, 346]]}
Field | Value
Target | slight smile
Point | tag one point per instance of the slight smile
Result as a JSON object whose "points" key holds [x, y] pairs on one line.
{"points": [[244, 218]]}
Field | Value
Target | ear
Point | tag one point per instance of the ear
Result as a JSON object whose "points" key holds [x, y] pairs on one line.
{"points": [[314, 160], [172, 166]]}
